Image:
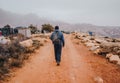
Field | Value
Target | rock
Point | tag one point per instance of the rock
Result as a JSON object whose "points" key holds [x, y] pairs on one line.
{"points": [[110, 47], [92, 38], [98, 79], [86, 39], [118, 62], [99, 41], [77, 36], [84, 35], [118, 52], [117, 39], [114, 59], [4, 40], [82, 41], [89, 44], [27, 43], [93, 48], [109, 55], [97, 51], [110, 44]]}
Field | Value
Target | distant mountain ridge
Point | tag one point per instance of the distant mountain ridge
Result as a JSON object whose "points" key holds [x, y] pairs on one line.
{"points": [[14, 19]]}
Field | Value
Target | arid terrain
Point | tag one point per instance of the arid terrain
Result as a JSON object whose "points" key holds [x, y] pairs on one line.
{"points": [[78, 65]]}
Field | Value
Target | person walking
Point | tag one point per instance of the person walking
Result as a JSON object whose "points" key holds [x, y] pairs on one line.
{"points": [[58, 42]]}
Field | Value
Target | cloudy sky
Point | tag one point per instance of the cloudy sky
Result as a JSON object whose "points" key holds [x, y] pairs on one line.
{"points": [[99, 12]]}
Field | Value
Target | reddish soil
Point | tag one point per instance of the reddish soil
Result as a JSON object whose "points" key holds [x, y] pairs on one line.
{"points": [[78, 65]]}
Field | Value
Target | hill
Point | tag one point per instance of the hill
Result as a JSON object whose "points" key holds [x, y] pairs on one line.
{"points": [[14, 20]]}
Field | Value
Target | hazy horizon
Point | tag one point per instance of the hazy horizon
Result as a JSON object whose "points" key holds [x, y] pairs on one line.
{"points": [[102, 12]]}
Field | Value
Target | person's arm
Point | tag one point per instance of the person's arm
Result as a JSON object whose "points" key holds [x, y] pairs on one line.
{"points": [[63, 41], [51, 37]]}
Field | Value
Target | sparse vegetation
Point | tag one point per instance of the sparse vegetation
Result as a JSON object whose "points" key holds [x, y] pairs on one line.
{"points": [[13, 55], [33, 29], [7, 30], [47, 28], [10, 55]]}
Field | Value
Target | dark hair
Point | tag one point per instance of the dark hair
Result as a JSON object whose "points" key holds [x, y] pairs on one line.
{"points": [[56, 27]]}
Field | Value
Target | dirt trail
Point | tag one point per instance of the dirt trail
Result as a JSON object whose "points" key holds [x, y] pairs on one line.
{"points": [[74, 68]]}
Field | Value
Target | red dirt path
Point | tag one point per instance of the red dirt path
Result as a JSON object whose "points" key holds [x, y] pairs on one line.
{"points": [[78, 65]]}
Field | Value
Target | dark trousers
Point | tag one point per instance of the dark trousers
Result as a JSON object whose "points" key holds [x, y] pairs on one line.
{"points": [[57, 50]]}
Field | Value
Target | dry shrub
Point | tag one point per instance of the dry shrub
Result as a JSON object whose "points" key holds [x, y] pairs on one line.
{"points": [[16, 63], [36, 44], [10, 56], [13, 55]]}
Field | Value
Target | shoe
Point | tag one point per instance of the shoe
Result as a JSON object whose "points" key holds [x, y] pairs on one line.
{"points": [[58, 63]]}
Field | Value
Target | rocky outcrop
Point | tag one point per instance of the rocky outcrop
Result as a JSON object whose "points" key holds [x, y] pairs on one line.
{"points": [[109, 47], [113, 58]]}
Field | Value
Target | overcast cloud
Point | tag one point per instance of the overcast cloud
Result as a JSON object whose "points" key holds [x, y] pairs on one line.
{"points": [[99, 12]]}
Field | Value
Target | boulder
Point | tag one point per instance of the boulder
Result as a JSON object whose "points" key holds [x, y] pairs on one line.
{"points": [[27, 43], [117, 39], [114, 59], [118, 62], [110, 44], [118, 52], [111, 47], [89, 44], [77, 36], [109, 55], [97, 51], [4, 40], [99, 40], [87, 38], [93, 48]]}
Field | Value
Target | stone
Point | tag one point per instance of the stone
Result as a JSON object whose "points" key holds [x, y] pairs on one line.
{"points": [[114, 59], [27, 43], [118, 62], [98, 79], [4, 40], [89, 44], [99, 41], [93, 48], [97, 51], [109, 55]]}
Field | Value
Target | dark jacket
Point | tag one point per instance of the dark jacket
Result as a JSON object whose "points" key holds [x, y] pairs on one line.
{"points": [[60, 36]]}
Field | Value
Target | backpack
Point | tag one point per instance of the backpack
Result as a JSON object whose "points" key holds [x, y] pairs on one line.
{"points": [[56, 39]]}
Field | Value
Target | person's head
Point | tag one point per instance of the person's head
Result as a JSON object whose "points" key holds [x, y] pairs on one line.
{"points": [[56, 27]]}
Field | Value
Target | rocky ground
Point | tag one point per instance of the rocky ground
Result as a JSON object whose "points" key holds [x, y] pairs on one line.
{"points": [[15, 50], [79, 64]]}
